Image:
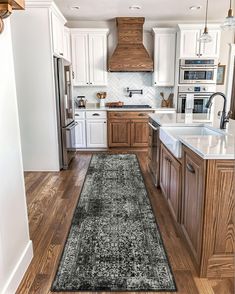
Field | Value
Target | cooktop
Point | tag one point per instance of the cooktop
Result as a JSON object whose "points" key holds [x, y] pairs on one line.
{"points": [[132, 106]]}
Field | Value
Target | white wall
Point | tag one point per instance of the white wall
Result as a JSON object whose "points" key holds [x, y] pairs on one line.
{"points": [[33, 59], [15, 246]]}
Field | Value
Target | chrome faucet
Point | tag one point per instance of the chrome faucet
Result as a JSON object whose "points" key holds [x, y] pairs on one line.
{"points": [[224, 116]]}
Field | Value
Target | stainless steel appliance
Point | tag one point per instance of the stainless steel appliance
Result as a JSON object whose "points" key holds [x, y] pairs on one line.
{"points": [[154, 152], [201, 97], [65, 112], [198, 71]]}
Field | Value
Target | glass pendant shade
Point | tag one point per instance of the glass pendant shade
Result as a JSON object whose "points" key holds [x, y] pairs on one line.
{"points": [[229, 22], [205, 37]]}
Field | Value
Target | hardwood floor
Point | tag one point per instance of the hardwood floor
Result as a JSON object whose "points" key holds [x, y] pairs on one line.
{"points": [[51, 200]]}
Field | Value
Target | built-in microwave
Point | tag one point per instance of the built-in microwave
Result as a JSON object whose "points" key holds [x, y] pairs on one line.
{"points": [[198, 71]]}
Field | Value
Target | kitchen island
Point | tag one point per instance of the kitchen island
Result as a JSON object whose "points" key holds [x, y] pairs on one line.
{"points": [[198, 185]]}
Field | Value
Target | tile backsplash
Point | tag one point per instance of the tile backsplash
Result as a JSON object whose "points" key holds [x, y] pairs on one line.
{"points": [[116, 89]]}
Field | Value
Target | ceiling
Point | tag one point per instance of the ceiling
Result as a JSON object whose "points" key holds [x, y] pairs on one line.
{"points": [[157, 10]]}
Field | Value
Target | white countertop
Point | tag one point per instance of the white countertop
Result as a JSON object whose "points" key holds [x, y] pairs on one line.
{"points": [[180, 119], [95, 106], [211, 147], [207, 147]]}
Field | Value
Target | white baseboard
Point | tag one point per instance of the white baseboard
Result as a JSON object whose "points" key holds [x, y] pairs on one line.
{"points": [[19, 270]]}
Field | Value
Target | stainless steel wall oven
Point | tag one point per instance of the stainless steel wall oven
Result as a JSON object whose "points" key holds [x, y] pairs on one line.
{"points": [[198, 71]]}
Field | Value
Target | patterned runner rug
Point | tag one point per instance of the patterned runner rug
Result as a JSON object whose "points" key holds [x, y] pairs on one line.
{"points": [[114, 243]]}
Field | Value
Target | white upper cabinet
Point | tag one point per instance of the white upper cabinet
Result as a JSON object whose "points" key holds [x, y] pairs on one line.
{"points": [[89, 57], [164, 57], [191, 47], [58, 22], [211, 49], [67, 44], [80, 59], [98, 59]]}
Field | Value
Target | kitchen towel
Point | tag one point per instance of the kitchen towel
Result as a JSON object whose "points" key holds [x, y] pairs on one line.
{"points": [[189, 101]]}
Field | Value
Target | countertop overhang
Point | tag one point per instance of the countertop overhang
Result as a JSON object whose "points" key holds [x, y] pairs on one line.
{"points": [[207, 147]]}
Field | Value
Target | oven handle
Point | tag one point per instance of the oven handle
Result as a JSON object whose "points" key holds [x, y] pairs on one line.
{"points": [[154, 128], [198, 67], [195, 97]]}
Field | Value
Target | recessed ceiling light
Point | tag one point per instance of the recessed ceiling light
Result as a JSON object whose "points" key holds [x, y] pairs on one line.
{"points": [[75, 7], [195, 7], [135, 7]]}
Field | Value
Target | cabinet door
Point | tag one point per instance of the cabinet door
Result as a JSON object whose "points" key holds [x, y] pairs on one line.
{"points": [[98, 59], [211, 49], [80, 59], [164, 171], [96, 133], [193, 201], [67, 47], [164, 59], [189, 45], [119, 133], [139, 133], [174, 192], [57, 35], [80, 134]]}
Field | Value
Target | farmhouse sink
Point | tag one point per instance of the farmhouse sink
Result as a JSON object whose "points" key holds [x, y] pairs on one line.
{"points": [[170, 136]]}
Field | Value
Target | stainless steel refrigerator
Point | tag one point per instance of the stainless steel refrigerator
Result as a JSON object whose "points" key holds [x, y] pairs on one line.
{"points": [[65, 112]]}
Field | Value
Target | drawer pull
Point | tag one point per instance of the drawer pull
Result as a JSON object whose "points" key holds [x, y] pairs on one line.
{"points": [[142, 114], [190, 168], [95, 114], [77, 114]]}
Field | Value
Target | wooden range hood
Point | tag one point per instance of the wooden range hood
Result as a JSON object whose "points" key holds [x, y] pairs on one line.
{"points": [[130, 54]]}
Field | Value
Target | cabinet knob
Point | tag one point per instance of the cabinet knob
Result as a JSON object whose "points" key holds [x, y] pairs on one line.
{"points": [[62, 54], [87, 83], [90, 83]]}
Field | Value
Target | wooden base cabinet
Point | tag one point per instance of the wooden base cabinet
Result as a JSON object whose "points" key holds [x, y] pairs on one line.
{"points": [[170, 181], [139, 133], [119, 133], [193, 202], [208, 209], [128, 129]]}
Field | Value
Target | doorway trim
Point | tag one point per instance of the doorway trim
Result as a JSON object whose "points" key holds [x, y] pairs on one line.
{"points": [[230, 73]]}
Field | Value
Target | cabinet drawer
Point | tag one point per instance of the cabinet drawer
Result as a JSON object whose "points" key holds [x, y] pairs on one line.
{"points": [[96, 114], [79, 115], [128, 114]]}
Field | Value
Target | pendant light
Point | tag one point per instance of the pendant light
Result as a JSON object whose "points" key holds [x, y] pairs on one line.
{"points": [[229, 22], [205, 37]]}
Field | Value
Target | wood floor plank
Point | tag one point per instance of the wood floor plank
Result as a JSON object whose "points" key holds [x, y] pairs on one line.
{"points": [[51, 200]]}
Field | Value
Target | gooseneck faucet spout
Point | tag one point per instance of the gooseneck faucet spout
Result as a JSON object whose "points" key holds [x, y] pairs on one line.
{"points": [[224, 117]]}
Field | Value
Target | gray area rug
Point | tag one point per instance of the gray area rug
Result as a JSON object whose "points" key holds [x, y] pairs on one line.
{"points": [[114, 243]]}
